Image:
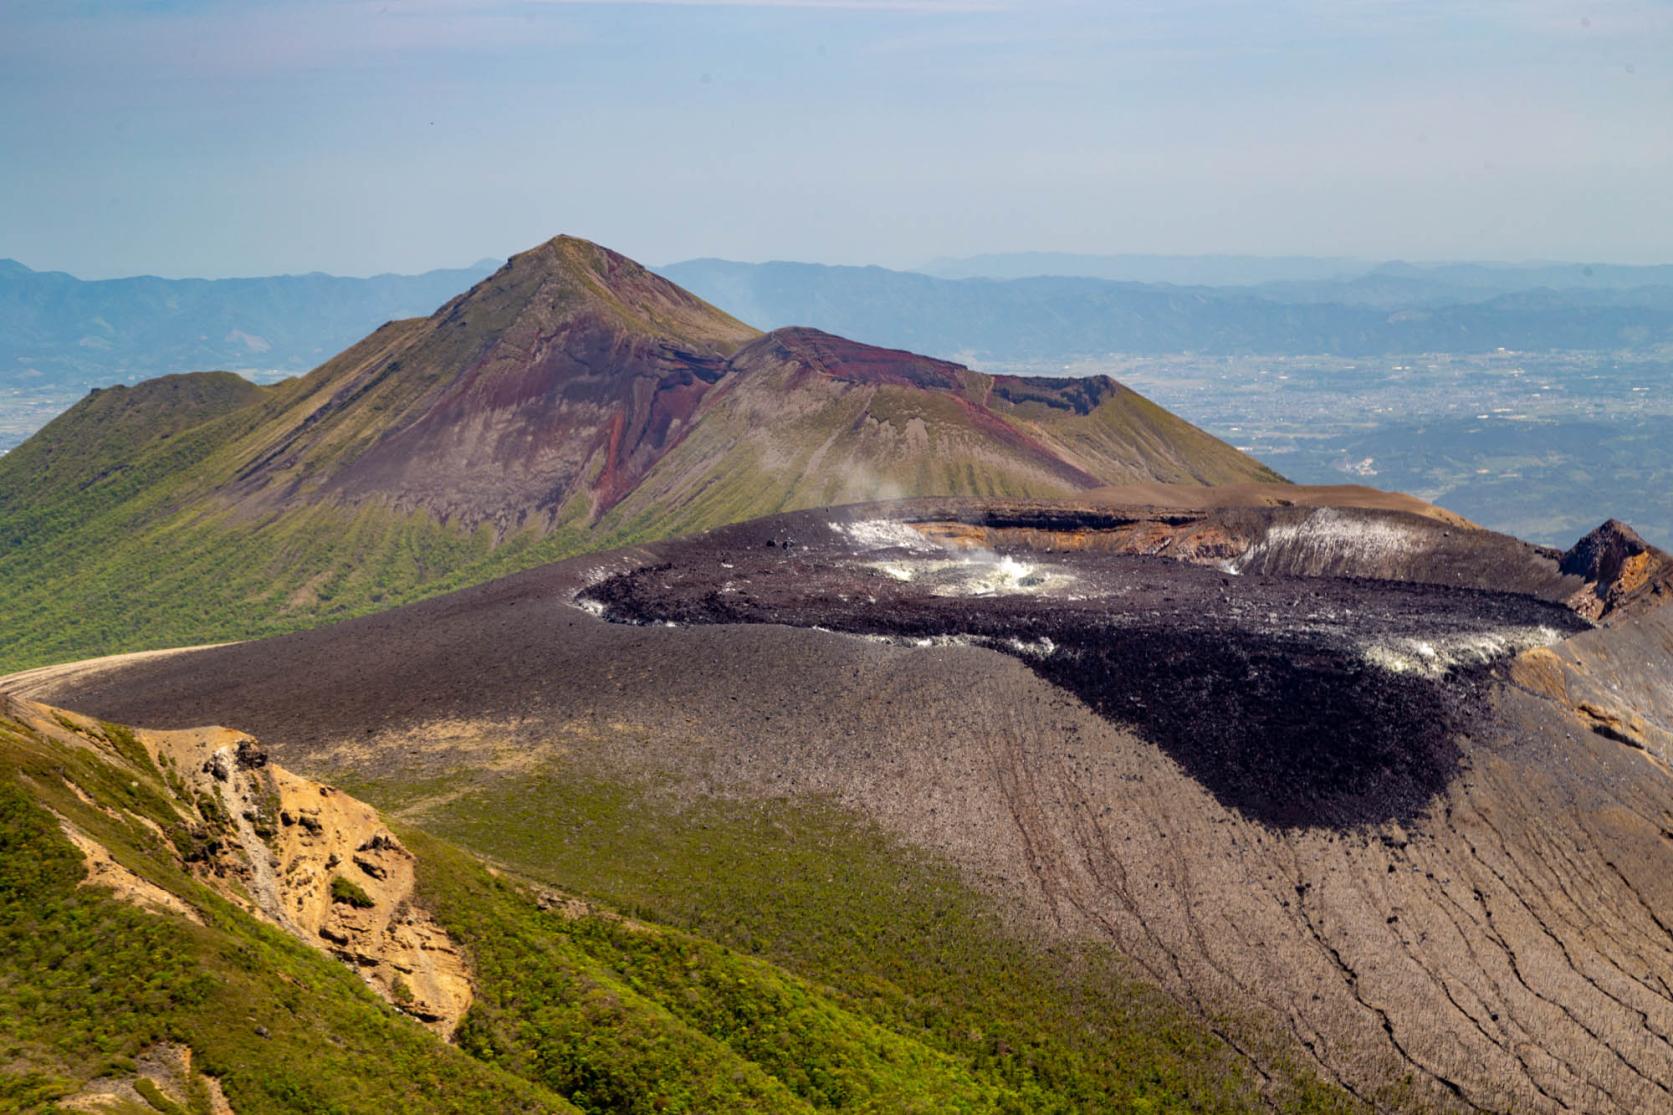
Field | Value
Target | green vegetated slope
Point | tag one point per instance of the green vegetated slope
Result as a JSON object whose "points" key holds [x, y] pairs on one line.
{"points": [[108, 429], [777, 438], [894, 932], [576, 1006], [90, 983], [572, 401]]}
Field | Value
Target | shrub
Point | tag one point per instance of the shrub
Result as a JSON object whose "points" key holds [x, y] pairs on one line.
{"points": [[350, 893]]}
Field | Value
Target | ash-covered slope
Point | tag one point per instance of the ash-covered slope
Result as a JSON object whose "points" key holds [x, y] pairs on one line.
{"points": [[1359, 785]]}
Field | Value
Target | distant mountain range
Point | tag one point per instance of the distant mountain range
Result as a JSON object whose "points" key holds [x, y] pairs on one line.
{"points": [[60, 331], [1394, 308], [1272, 271], [1204, 270]]}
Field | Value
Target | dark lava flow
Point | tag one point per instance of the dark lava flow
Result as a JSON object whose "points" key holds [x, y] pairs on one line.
{"points": [[1264, 689]]}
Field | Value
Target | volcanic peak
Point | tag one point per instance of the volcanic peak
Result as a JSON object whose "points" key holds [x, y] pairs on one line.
{"points": [[569, 370], [569, 274], [572, 399]]}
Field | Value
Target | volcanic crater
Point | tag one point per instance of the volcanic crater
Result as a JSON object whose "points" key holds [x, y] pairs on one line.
{"points": [[1300, 701]]}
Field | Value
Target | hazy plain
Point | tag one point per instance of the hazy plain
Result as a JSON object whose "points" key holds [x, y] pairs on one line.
{"points": [[1541, 445]]}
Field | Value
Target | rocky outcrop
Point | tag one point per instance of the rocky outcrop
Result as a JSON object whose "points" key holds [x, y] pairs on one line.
{"points": [[294, 852], [1622, 572], [322, 865], [1614, 681], [164, 1079]]}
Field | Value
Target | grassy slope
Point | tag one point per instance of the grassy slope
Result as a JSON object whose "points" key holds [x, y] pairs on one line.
{"points": [[87, 982], [827, 444], [784, 442], [910, 999], [107, 429], [576, 1007], [1130, 436], [94, 558], [1050, 1028], [145, 556], [170, 549]]}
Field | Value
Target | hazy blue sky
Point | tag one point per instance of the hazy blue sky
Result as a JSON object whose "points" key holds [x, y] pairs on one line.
{"points": [[207, 137]]}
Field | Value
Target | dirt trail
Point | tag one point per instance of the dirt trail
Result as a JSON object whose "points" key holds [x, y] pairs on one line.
{"points": [[41, 679]]}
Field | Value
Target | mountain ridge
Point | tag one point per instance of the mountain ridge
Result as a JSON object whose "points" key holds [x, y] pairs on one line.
{"points": [[62, 332], [1050, 317], [571, 400]]}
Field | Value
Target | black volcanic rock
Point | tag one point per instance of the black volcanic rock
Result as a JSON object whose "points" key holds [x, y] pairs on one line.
{"points": [[1600, 555], [1299, 701]]}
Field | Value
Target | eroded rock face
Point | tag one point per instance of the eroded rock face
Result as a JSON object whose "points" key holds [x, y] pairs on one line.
{"points": [[295, 852], [322, 865], [1621, 571], [1615, 681]]}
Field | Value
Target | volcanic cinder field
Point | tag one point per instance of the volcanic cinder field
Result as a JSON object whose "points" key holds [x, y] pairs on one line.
{"points": [[1296, 700], [1365, 782]]}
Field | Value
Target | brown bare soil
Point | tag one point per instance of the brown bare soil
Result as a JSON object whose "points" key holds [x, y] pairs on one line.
{"points": [[103, 871], [1188, 497]]}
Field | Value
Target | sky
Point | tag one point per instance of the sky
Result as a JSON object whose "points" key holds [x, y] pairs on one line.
{"points": [[213, 137]]}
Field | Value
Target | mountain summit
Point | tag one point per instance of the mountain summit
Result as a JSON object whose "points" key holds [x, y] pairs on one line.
{"points": [[571, 367], [570, 401], [1620, 569], [558, 387]]}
